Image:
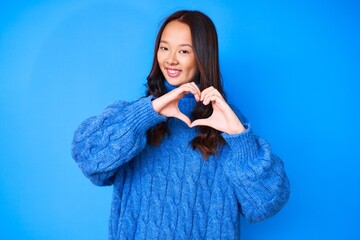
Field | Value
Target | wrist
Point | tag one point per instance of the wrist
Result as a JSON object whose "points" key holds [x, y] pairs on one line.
{"points": [[236, 129], [155, 105]]}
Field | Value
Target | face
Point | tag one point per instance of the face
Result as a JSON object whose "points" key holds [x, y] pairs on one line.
{"points": [[176, 56]]}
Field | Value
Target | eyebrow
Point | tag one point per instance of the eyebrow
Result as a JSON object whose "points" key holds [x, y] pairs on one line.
{"points": [[181, 45]]}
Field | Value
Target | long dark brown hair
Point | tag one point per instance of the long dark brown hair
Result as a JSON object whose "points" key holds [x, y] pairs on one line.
{"points": [[205, 44]]}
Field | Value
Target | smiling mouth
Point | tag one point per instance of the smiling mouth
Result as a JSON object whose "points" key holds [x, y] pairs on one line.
{"points": [[173, 72]]}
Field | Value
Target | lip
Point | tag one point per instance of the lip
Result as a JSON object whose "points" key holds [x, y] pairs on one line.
{"points": [[172, 72]]}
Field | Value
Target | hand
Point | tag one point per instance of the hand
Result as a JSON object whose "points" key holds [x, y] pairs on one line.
{"points": [[223, 118], [167, 105]]}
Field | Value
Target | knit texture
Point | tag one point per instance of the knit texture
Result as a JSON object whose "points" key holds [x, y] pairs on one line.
{"points": [[170, 191]]}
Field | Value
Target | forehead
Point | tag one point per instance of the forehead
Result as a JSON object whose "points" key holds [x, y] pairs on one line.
{"points": [[176, 32]]}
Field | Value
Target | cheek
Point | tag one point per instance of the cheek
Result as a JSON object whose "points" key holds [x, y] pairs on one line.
{"points": [[159, 58], [193, 67], [190, 64]]}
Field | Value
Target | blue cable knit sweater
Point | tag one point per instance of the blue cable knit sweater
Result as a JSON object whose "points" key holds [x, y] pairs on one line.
{"points": [[170, 191]]}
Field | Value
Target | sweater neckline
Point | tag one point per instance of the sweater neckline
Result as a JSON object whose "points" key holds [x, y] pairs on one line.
{"points": [[169, 87], [186, 104]]}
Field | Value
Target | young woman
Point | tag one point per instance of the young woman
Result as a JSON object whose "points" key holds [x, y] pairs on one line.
{"points": [[183, 163]]}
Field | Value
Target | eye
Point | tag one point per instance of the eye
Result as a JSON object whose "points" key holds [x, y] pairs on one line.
{"points": [[184, 52], [163, 48]]}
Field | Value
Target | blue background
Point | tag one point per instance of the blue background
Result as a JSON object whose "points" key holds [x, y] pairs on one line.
{"points": [[293, 67]]}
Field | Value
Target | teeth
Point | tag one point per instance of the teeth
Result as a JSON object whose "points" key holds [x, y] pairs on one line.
{"points": [[173, 71]]}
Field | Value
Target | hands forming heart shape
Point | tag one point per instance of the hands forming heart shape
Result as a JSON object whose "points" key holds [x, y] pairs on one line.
{"points": [[223, 117]]}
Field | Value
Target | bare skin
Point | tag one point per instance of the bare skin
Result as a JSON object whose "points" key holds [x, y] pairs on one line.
{"points": [[176, 59], [223, 117]]}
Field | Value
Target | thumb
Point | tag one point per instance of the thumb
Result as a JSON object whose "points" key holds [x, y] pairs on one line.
{"points": [[183, 118], [200, 122]]}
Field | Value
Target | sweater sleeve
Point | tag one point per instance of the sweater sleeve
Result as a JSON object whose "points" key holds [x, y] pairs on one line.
{"points": [[261, 184], [103, 143]]}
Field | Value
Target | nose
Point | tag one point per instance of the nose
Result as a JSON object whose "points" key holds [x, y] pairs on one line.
{"points": [[171, 58]]}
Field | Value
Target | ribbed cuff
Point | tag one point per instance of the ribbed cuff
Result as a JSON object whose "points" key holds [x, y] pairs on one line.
{"points": [[243, 145], [142, 115]]}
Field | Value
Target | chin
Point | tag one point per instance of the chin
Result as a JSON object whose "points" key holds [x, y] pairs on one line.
{"points": [[174, 82]]}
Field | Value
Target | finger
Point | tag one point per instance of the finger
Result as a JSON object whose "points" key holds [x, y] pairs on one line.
{"points": [[207, 96], [205, 92], [190, 88], [211, 93], [196, 87], [200, 122], [212, 98]]}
